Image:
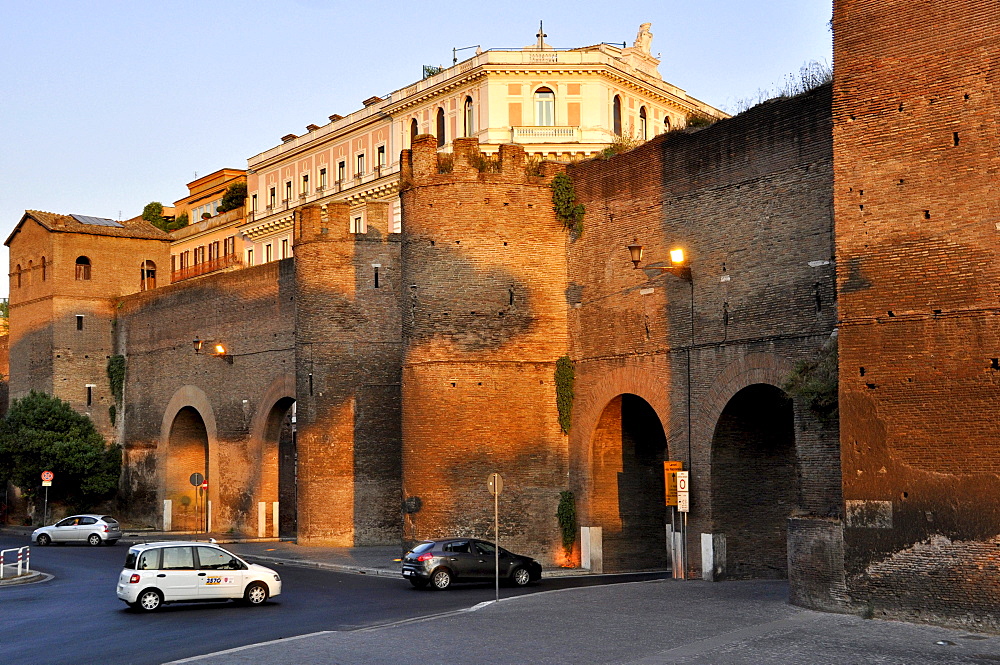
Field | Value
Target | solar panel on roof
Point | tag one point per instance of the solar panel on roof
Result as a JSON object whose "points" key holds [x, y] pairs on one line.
{"points": [[96, 221]]}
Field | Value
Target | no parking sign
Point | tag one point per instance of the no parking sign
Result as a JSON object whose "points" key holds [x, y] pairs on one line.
{"points": [[682, 491], [47, 477]]}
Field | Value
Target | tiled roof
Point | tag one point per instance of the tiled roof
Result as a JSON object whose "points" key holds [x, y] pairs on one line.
{"points": [[136, 227]]}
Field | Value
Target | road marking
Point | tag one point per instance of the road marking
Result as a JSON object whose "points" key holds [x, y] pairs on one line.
{"points": [[195, 659]]}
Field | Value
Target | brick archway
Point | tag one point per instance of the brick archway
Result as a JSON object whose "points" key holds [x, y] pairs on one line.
{"points": [[188, 438], [272, 442], [589, 406], [745, 443]]}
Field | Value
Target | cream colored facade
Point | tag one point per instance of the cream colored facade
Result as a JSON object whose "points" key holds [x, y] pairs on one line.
{"points": [[211, 241], [558, 104]]}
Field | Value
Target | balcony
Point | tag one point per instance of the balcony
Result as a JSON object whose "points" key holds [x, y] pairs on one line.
{"points": [[199, 269], [545, 134]]}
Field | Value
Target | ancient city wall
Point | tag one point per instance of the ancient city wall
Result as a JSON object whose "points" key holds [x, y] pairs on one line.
{"points": [[176, 402], [749, 200], [916, 152], [484, 321]]}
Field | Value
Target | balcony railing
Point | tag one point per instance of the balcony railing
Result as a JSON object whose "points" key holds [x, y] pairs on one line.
{"points": [[221, 263], [545, 134]]}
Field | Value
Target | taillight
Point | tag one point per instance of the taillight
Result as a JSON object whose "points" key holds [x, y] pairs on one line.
{"points": [[425, 557], [105, 528], [133, 579]]}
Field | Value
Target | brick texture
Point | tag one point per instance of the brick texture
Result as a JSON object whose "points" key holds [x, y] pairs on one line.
{"points": [[916, 152]]}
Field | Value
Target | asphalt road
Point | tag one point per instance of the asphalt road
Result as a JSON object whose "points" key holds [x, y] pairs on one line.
{"points": [[76, 617]]}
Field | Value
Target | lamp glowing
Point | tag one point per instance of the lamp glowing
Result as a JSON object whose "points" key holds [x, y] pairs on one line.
{"points": [[677, 256]]}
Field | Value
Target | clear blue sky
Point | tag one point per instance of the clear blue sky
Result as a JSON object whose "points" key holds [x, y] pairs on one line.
{"points": [[108, 105]]}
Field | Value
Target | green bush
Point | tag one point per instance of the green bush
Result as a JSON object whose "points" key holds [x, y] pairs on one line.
{"points": [[43, 433], [815, 382], [565, 375], [566, 514], [234, 197], [564, 203]]}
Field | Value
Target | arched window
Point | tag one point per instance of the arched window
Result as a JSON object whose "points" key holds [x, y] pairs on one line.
{"points": [[545, 107], [44, 266], [440, 127], [642, 123], [467, 115], [17, 276], [616, 116], [414, 129], [666, 123], [82, 268], [147, 276]]}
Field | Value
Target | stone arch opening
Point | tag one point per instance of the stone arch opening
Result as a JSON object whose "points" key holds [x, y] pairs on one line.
{"points": [[187, 454], [627, 493], [281, 463], [754, 481]]}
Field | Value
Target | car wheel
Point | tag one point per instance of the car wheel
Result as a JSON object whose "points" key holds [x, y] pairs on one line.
{"points": [[441, 579], [43, 539], [520, 577], [419, 584], [149, 600], [256, 594], [93, 539]]}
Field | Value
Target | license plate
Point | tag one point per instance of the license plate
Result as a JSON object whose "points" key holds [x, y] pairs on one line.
{"points": [[407, 572]]}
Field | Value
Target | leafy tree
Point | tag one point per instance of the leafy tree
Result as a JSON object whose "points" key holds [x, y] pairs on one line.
{"points": [[40, 433], [153, 213], [234, 197], [815, 382], [179, 223]]}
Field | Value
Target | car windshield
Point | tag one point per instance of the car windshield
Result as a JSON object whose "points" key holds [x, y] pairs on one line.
{"points": [[422, 547], [130, 559]]}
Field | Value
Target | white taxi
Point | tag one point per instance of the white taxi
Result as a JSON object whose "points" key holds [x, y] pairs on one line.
{"points": [[167, 572]]}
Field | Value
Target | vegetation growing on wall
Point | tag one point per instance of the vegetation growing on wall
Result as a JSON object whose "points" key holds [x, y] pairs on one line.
{"points": [[569, 212], [566, 514], [814, 383], [44, 433], [116, 376], [621, 143], [564, 376]]}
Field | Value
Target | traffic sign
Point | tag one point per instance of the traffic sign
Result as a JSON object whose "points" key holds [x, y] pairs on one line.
{"points": [[495, 483], [683, 504], [48, 475], [670, 470], [196, 479]]}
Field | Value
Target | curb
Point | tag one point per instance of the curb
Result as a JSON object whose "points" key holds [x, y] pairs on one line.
{"points": [[34, 578]]}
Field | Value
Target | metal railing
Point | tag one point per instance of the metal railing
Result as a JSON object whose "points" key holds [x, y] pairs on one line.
{"points": [[206, 267], [23, 557]]}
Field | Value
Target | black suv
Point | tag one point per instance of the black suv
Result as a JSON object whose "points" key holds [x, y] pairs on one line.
{"points": [[441, 562]]}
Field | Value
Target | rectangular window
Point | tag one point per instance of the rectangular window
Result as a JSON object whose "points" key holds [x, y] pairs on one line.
{"points": [[305, 184], [360, 171], [173, 263], [90, 394], [341, 171], [376, 276], [380, 153], [322, 179], [229, 245], [273, 198], [249, 257], [253, 203], [267, 253], [284, 248], [356, 225], [79, 321], [288, 191]]}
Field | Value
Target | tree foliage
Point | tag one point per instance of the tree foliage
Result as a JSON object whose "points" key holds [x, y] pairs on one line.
{"points": [[153, 213], [234, 197], [43, 433]]}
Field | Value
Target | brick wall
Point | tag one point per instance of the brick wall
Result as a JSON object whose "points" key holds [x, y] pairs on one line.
{"points": [[484, 320], [916, 151], [178, 402], [749, 199]]}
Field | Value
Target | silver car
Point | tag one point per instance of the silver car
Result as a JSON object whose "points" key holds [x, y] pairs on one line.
{"points": [[91, 529]]}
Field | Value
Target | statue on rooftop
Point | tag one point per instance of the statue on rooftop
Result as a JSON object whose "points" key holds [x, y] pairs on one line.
{"points": [[644, 38]]}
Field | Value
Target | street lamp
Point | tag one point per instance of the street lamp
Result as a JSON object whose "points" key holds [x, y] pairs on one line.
{"points": [[679, 267], [218, 349]]}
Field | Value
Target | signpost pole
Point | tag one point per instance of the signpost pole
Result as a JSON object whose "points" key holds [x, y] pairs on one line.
{"points": [[45, 512], [496, 548]]}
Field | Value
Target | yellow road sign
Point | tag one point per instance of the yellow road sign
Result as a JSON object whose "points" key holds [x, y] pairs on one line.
{"points": [[670, 470]]}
